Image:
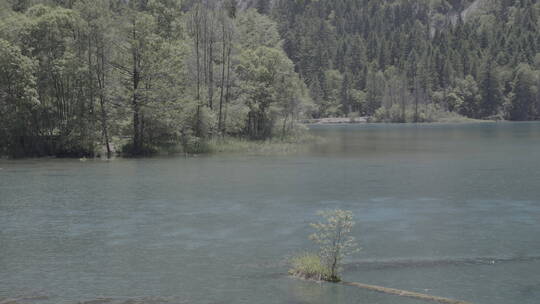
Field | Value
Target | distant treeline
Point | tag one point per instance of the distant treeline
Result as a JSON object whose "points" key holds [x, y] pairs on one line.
{"points": [[79, 75]]}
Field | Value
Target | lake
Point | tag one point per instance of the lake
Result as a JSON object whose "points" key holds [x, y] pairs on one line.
{"points": [[450, 210]]}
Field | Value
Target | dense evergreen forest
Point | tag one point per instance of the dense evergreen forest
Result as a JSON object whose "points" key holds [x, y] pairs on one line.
{"points": [[407, 60], [79, 75]]}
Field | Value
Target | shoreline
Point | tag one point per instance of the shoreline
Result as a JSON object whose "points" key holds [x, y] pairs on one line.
{"points": [[274, 146], [366, 120], [214, 146]]}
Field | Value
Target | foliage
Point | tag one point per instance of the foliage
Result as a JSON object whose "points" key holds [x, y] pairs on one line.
{"points": [[18, 99], [160, 73], [264, 73], [523, 99]]}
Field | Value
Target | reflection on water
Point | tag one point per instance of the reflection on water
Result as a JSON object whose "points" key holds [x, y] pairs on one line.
{"points": [[450, 210]]}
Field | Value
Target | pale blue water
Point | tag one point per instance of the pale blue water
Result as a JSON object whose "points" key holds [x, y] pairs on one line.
{"points": [[450, 210]]}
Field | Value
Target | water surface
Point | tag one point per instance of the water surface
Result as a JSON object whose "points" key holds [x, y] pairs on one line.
{"points": [[450, 210]]}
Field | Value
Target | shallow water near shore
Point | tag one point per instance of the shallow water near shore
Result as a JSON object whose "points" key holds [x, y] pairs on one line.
{"points": [[451, 210]]}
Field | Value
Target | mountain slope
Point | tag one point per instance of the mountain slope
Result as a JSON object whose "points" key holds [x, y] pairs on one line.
{"points": [[387, 57]]}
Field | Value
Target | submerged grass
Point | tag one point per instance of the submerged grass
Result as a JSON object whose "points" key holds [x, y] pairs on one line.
{"points": [[451, 117], [309, 266], [272, 146]]}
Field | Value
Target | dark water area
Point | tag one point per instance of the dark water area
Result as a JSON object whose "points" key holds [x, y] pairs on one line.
{"points": [[450, 210]]}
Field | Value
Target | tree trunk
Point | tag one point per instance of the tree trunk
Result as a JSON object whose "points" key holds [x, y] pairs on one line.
{"points": [[104, 128], [102, 98], [220, 118], [228, 85], [335, 257], [197, 54], [136, 128], [137, 143], [210, 72], [284, 126]]}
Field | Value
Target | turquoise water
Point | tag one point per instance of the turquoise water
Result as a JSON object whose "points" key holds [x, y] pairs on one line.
{"points": [[449, 210]]}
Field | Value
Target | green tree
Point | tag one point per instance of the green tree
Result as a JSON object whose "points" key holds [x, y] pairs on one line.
{"points": [[98, 39], [333, 94], [466, 97], [138, 68], [524, 93], [490, 89], [375, 84], [18, 101], [335, 240], [263, 73], [55, 37]]}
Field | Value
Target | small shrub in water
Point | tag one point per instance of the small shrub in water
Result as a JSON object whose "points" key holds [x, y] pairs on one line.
{"points": [[334, 239], [309, 266]]}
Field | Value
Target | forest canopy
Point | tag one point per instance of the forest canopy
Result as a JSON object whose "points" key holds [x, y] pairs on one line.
{"points": [[77, 75], [391, 59], [137, 76]]}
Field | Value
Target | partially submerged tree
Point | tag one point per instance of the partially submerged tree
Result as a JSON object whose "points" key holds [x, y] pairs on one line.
{"points": [[333, 235], [335, 240]]}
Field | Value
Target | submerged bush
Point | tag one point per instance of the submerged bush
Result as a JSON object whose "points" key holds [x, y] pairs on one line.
{"points": [[310, 266]]}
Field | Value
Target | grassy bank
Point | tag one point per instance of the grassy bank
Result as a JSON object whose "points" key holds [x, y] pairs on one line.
{"points": [[425, 114]]}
